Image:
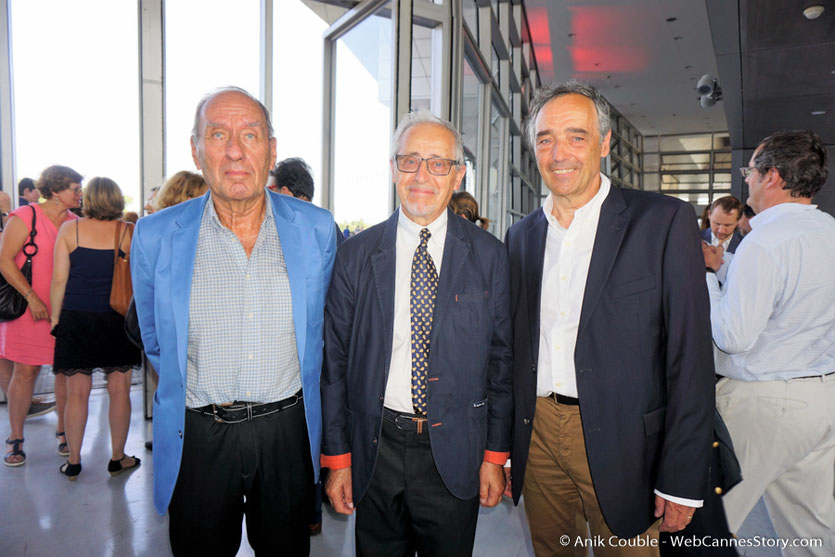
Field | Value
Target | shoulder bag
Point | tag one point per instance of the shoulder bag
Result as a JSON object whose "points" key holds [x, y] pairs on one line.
{"points": [[121, 289], [12, 303]]}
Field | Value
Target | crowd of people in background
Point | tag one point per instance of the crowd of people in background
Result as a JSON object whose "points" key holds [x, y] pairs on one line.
{"points": [[630, 375]]}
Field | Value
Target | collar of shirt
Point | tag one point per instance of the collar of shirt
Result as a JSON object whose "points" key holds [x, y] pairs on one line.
{"points": [[408, 237], [215, 220], [590, 210], [779, 210]]}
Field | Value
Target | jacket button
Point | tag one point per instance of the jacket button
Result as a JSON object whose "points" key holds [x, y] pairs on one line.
{"points": [[526, 421], [715, 444], [374, 441], [533, 368], [717, 490], [382, 398]]}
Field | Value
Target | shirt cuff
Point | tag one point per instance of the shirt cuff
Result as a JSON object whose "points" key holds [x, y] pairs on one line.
{"points": [[335, 462], [695, 503], [496, 458]]}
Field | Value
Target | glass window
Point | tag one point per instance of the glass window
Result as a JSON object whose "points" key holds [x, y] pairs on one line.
{"points": [[362, 123], [651, 144], [651, 182], [696, 161], [470, 9], [685, 181], [494, 184], [721, 160], [297, 114], [426, 70], [470, 107], [696, 142], [76, 90], [721, 140], [721, 181], [701, 199], [197, 62]]}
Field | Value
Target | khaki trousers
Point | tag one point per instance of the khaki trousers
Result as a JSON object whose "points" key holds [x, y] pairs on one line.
{"points": [[559, 496], [784, 437]]}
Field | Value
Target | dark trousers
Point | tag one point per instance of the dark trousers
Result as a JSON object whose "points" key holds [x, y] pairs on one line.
{"points": [[407, 508], [259, 469]]}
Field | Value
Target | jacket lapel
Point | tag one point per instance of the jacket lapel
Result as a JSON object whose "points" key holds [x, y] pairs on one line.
{"points": [[289, 236], [183, 252], [383, 262], [535, 239], [610, 231], [456, 250]]}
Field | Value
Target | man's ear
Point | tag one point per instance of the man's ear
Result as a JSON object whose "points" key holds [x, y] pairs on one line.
{"points": [[604, 146], [194, 156]]}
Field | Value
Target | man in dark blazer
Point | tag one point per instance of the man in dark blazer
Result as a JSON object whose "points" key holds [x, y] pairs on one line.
{"points": [[416, 391], [613, 370], [723, 231]]}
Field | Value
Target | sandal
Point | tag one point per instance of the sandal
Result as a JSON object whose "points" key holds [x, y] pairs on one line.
{"points": [[16, 451], [71, 471], [115, 467], [63, 448]]}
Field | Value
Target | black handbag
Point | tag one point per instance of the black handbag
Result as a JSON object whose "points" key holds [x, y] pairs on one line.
{"points": [[12, 302]]}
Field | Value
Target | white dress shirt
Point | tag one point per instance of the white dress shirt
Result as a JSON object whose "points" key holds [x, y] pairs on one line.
{"points": [[564, 273], [774, 318], [399, 385], [722, 273]]}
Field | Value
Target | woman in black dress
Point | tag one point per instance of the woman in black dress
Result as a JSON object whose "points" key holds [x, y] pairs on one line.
{"points": [[88, 333]]}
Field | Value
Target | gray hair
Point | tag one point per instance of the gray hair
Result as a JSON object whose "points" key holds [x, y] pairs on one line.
{"points": [[424, 116], [195, 130], [550, 92]]}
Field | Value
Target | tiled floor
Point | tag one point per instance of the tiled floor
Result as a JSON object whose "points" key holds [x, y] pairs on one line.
{"points": [[43, 515]]}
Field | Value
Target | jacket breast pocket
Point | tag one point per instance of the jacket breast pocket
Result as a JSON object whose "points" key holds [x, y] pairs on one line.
{"points": [[632, 287]]}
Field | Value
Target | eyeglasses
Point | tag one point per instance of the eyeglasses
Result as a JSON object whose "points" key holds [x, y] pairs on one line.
{"points": [[436, 167], [746, 171]]}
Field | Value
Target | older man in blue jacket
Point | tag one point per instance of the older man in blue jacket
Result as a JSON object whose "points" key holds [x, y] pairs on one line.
{"points": [[229, 292]]}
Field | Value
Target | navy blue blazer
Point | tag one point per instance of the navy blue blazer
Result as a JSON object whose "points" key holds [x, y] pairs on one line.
{"points": [[470, 395], [643, 358]]}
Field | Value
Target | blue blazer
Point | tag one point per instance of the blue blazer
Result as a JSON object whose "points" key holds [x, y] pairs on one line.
{"points": [[470, 396], [643, 358], [162, 264]]}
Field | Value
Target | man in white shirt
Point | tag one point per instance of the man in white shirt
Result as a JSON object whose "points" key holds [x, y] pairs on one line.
{"points": [[612, 375], [416, 383], [723, 232], [774, 328]]}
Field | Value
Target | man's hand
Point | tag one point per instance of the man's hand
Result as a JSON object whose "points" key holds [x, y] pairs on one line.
{"points": [[508, 488], [713, 256], [491, 478], [676, 517], [340, 491]]}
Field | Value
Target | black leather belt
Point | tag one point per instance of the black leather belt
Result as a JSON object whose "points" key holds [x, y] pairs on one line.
{"points": [[562, 399], [816, 376], [405, 422], [238, 411]]}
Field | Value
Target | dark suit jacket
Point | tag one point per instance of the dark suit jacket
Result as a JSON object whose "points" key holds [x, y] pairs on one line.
{"points": [[643, 358], [735, 239], [470, 395]]}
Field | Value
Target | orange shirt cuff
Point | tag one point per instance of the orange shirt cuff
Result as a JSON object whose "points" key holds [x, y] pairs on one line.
{"points": [[335, 462], [496, 458]]}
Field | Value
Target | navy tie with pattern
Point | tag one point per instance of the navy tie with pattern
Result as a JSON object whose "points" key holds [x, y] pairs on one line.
{"points": [[423, 290]]}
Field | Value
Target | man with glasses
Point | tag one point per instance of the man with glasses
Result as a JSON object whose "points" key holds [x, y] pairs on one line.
{"points": [[774, 328], [416, 394]]}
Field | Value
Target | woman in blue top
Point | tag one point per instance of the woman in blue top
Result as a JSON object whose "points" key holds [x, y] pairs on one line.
{"points": [[88, 333]]}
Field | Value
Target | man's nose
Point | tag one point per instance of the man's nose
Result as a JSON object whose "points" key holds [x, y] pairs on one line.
{"points": [[233, 148], [422, 173]]}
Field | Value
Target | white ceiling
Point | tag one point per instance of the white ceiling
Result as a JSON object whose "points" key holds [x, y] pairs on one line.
{"points": [[646, 66]]}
